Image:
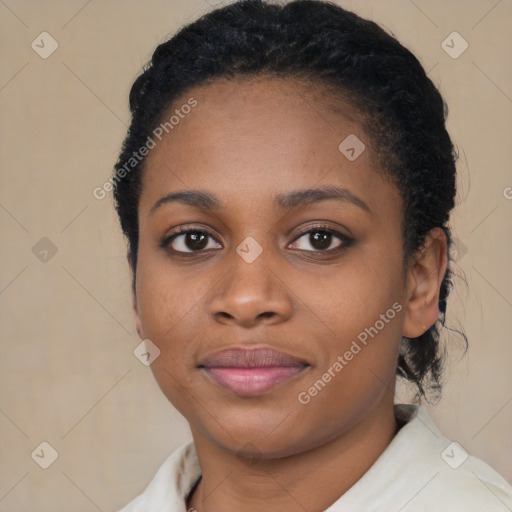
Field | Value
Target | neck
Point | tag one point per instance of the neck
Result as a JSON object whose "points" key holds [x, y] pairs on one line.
{"points": [[309, 480]]}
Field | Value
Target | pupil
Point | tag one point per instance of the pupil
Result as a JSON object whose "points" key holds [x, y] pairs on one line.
{"points": [[198, 239], [321, 238]]}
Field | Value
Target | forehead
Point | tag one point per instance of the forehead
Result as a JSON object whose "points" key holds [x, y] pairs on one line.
{"points": [[254, 138]]}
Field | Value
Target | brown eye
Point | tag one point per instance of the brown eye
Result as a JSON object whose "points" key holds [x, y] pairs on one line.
{"points": [[321, 239], [188, 241]]}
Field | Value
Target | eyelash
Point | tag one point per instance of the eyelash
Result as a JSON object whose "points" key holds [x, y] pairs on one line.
{"points": [[184, 230]]}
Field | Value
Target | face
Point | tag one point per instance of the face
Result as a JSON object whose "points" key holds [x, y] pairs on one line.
{"points": [[312, 279]]}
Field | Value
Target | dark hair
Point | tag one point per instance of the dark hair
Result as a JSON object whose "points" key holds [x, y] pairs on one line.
{"points": [[400, 108]]}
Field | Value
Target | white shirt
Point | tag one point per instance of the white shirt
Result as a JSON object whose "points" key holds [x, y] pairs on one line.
{"points": [[419, 471]]}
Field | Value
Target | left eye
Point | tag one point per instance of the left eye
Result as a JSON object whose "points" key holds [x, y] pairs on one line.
{"points": [[321, 239]]}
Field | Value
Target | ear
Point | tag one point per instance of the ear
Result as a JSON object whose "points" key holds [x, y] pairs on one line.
{"points": [[425, 274], [135, 306]]}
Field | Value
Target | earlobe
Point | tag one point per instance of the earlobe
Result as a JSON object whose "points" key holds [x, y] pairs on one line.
{"points": [[424, 277]]}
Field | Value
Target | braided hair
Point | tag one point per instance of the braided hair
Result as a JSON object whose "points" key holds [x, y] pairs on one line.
{"points": [[399, 107]]}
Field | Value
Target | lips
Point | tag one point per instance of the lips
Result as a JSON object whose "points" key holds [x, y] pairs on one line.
{"points": [[252, 372]]}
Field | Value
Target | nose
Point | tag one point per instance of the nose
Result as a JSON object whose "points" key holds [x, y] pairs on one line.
{"points": [[252, 293]]}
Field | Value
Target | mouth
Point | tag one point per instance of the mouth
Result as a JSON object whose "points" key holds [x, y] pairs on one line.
{"points": [[252, 372]]}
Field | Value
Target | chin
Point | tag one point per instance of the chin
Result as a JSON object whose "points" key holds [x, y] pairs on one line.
{"points": [[258, 440]]}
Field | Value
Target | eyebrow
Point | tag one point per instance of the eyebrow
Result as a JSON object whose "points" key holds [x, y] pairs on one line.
{"points": [[288, 201]]}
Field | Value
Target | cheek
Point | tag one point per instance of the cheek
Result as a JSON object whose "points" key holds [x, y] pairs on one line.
{"points": [[166, 303], [356, 294], [163, 297], [362, 305], [167, 309], [359, 365]]}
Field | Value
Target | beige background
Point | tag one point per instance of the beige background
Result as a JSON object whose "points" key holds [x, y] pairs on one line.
{"points": [[68, 373]]}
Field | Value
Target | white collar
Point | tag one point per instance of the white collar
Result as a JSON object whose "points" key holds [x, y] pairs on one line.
{"points": [[412, 474]]}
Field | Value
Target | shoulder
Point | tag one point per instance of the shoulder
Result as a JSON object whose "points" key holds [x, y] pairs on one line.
{"points": [[171, 484], [423, 471], [472, 485], [451, 478]]}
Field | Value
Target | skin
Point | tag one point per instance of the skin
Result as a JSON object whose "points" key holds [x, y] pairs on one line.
{"points": [[246, 142]]}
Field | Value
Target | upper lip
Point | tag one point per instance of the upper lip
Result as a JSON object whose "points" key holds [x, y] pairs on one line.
{"points": [[250, 358]]}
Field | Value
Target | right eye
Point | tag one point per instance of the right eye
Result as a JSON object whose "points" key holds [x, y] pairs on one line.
{"points": [[188, 241]]}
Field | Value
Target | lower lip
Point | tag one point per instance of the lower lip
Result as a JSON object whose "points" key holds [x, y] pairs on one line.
{"points": [[253, 381]]}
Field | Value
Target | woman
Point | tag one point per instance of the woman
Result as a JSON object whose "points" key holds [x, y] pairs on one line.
{"points": [[285, 187]]}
